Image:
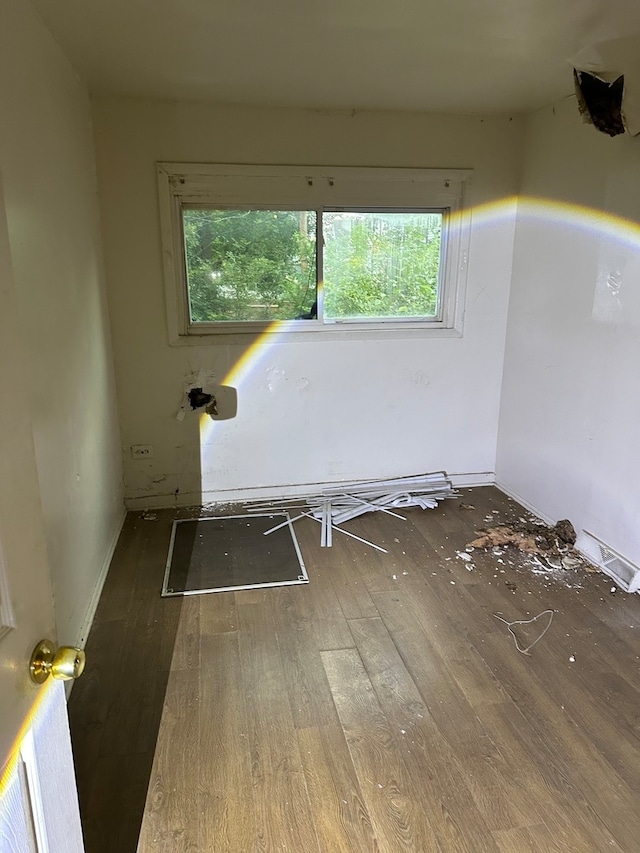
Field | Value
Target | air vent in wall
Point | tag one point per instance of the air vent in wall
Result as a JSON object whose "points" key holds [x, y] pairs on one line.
{"points": [[623, 571]]}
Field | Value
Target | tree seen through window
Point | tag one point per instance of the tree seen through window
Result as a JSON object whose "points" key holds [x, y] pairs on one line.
{"points": [[260, 265]]}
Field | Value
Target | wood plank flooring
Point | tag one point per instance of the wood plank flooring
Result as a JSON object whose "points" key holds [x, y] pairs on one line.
{"points": [[380, 708]]}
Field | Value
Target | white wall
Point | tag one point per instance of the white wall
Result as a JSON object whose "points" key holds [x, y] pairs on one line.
{"points": [[568, 440], [48, 169], [309, 412]]}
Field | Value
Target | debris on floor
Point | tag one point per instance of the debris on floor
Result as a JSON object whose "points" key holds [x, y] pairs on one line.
{"points": [[550, 549], [334, 506], [529, 537]]}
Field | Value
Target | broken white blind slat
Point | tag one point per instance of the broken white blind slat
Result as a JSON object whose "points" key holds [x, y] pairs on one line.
{"points": [[337, 505]]}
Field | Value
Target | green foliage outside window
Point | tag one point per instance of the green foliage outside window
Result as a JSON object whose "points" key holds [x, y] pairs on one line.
{"points": [[249, 264], [381, 264], [259, 265]]}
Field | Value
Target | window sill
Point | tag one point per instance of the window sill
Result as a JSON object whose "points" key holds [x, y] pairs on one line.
{"points": [[337, 332]]}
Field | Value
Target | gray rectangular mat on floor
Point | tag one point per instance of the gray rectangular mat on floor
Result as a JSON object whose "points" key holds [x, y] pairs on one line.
{"points": [[225, 553]]}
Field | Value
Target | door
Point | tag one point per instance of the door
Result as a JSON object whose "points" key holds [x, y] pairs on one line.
{"points": [[37, 784]]}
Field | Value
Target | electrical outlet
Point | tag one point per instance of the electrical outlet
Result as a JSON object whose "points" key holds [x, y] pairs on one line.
{"points": [[141, 451]]}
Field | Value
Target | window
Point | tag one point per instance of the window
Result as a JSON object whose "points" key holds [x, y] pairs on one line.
{"points": [[249, 265], [313, 249], [381, 265]]}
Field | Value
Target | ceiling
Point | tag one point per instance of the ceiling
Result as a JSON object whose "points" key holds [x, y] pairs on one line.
{"points": [[447, 56]]}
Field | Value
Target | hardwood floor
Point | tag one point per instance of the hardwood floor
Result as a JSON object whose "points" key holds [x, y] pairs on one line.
{"points": [[381, 707]]}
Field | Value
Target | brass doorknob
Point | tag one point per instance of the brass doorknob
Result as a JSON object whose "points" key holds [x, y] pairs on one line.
{"points": [[66, 663]]}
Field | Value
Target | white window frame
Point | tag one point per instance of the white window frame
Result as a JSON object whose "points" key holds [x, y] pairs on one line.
{"points": [[311, 188]]}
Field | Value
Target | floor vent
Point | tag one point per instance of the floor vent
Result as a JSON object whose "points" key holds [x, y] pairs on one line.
{"points": [[624, 572]]}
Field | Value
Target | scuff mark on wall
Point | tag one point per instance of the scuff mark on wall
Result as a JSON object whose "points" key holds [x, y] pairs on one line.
{"points": [[275, 378], [416, 377]]}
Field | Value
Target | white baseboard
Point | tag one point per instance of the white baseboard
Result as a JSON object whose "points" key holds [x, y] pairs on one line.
{"points": [[102, 576], [470, 481], [478, 478], [525, 503], [163, 501]]}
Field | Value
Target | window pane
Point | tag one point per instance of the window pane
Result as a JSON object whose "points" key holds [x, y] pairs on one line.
{"points": [[380, 264], [250, 264]]}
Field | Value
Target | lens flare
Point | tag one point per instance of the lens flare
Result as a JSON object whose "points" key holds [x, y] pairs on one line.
{"points": [[14, 753]]}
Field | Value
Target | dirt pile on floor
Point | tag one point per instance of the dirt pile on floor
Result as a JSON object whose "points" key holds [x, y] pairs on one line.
{"points": [[533, 538]]}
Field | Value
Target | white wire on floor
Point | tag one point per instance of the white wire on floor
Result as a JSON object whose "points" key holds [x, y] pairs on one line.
{"points": [[526, 622]]}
